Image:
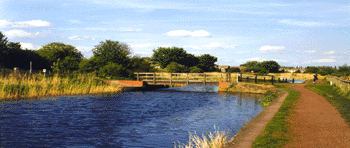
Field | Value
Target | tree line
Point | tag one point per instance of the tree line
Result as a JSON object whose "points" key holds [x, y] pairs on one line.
{"points": [[110, 59]]}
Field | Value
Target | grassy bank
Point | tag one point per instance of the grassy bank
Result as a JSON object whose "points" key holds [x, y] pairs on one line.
{"points": [[13, 86], [275, 133], [335, 97]]}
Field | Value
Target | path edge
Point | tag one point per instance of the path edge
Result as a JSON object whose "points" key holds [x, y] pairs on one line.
{"points": [[257, 125]]}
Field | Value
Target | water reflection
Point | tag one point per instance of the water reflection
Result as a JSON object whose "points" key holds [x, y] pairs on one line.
{"points": [[130, 119]]}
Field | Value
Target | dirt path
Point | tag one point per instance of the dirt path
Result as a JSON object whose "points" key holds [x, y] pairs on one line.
{"points": [[317, 123], [245, 137]]}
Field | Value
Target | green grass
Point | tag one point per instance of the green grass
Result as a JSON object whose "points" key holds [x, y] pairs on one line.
{"points": [[276, 132], [335, 97], [269, 97]]}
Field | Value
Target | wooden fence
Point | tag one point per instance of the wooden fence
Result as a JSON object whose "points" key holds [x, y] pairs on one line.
{"points": [[204, 78], [343, 85]]}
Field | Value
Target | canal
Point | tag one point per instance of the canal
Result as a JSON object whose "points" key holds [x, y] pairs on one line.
{"points": [[129, 119]]}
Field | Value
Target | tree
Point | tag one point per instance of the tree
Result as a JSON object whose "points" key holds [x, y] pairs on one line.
{"points": [[3, 49], [234, 69], [166, 55], [112, 51], [310, 69], [271, 66], [195, 69], [207, 62], [65, 56], [175, 67], [251, 66], [141, 65]]}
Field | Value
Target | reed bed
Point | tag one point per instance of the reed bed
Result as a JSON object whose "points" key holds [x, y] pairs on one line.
{"points": [[216, 140], [13, 86]]}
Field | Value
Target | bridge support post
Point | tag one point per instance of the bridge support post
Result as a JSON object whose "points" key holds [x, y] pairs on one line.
{"points": [[170, 79], [187, 78], [204, 78], [154, 78]]}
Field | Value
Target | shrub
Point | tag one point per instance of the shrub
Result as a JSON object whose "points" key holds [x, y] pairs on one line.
{"points": [[195, 69], [234, 69], [298, 71], [322, 72], [175, 67]]}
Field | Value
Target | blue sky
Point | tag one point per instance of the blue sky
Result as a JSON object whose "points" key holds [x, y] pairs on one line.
{"points": [[293, 33]]}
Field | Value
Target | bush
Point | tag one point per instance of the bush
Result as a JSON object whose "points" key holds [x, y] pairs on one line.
{"points": [[112, 69], [311, 69], [322, 72], [195, 69], [298, 71], [175, 67], [235, 69]]}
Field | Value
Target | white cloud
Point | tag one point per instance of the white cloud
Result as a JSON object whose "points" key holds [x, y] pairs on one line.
{"points": [[212, 45], [77, 38], [185, 33], [330, 52], [24, 24], [300, 23], [84, 48], [310, 51], [271, 48], [19, 34], [140, 45], [29, 46], [324, 61], [16, 33]]}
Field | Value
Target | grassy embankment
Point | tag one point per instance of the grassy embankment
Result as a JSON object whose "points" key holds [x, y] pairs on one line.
{"points": [[276, 132], [335, 97], [14, 86]]}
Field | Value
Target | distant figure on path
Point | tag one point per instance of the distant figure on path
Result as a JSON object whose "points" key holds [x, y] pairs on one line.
{"points": [[315, 78]]}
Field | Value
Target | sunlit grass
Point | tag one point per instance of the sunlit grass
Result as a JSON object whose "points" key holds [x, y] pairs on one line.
{"points": [[14, 86], [215, 140]]}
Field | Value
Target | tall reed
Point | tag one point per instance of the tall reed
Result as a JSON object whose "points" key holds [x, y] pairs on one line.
{"points": [[216, 140], [14, 86]]}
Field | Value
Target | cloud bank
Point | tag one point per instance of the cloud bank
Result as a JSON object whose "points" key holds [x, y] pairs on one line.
{"points": [[24, 24]]}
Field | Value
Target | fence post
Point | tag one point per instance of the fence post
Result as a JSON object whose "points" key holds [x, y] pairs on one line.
{"points": [[256, 78], [264, 79], [247, 78], [272, 79], [154, 78], [138, 77], [241, 78], [286, 80], [187, 79], [204, 78], [170, 79], [293, 80], [279, 80], [237, 77]]}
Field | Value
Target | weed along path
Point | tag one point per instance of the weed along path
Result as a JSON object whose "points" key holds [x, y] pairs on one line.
{"points": [[316, 123]]}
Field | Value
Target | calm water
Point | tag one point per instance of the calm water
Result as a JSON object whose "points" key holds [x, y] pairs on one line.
{"points": [[130, 119]]}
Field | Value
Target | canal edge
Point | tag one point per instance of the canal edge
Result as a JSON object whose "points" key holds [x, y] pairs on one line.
{"points": [[246, 136]]}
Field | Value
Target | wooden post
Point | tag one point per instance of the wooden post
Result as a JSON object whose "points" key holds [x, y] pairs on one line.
{"points": [[272, 80], [138, 76], [278, 80], [264, 79], [187, 78], [293, 80], [170, 79], [204, 78], [154, 78], [256, 78], [286, 80], [241, 78], [247, 78]]}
